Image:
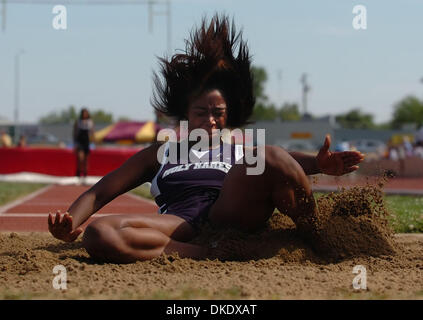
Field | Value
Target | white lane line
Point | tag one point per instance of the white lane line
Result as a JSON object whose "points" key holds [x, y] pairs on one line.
{"points": [[19, 201], [45, 215]]}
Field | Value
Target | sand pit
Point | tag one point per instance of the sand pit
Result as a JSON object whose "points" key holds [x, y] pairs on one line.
{"points": [[27, 261], [271, 263]]}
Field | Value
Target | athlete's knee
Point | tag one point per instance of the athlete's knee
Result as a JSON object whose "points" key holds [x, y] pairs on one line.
{"points": [[282, 166], [93, 240], [101, 241]]}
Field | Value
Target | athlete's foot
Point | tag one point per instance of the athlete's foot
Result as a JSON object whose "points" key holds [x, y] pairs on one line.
{"points": [[84, 181], [78, 181]]}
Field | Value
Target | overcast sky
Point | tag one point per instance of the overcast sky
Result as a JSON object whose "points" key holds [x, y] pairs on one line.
{"points": [[106, 57]]}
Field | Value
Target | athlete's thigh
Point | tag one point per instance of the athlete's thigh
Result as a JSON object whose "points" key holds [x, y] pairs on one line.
{"points": [[80, 155], [244, 201], [171, 225]]}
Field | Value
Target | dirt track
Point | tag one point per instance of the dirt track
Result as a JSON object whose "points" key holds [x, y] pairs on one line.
{"points": [[27, 261]]}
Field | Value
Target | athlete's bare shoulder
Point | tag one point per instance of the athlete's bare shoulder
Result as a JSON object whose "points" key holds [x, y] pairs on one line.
{"points": [[153, 148]]}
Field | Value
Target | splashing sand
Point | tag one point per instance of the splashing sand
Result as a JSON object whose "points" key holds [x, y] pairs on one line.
{"points": [[348, 223]]}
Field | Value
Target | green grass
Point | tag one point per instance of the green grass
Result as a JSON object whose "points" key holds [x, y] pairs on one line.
{"points": [[10, 191], [406, 213]]}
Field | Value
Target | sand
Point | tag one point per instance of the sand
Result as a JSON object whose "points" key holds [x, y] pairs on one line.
{"points": [[27, 261], [274, 262]]}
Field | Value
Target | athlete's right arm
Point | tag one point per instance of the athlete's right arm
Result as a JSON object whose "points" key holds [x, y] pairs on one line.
{"points": [[137, 170]]}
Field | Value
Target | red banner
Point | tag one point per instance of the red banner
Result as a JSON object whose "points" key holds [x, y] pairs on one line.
{"points": [[61, 162]]}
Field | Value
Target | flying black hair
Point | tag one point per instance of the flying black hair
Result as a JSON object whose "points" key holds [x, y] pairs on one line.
{"points": [[81, 114], [209, 62]]}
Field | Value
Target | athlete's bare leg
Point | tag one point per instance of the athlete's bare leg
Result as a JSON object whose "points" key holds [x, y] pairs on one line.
{"points": [[79, 162], [248, 201], [85, 164], [128, 238]]}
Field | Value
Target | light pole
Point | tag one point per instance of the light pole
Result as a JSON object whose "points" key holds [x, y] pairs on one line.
{"points": [[279, 86], [306, 89], [3, 15], [17, 63], [168, 13]]}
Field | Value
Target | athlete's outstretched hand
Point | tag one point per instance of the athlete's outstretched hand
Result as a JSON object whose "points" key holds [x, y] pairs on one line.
{"points": [[337, 163], [61, 227]]}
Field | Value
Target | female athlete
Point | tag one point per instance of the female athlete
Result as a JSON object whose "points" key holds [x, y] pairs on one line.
{"points": [[83, 131], [210, 85]]}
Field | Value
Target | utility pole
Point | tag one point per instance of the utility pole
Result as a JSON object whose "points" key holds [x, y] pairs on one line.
{"points": [[280, 86], [17, 91], [150, 4], [421, 80], [3, 15], [168, 14], [305, 90], [169, 27]]}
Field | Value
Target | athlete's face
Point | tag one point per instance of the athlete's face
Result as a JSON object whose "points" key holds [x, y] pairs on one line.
{"points": [[207, 111], [85, 114]]}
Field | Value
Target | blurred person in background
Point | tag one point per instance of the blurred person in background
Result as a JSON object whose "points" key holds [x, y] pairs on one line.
{"points": [[418, 141], [408, 146], [419, 136], [6, 140], [22, 141], [83, 132]]}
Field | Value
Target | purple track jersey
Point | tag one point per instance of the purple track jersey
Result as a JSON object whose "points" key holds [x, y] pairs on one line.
{"points": [[189, 188]]}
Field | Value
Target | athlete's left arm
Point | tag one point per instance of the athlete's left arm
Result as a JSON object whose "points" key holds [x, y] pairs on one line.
{"points": [[327, 162], [307, 162]]}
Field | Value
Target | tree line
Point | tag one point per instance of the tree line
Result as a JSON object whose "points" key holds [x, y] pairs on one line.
{"points": [[70, 114], [407, 110]]}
